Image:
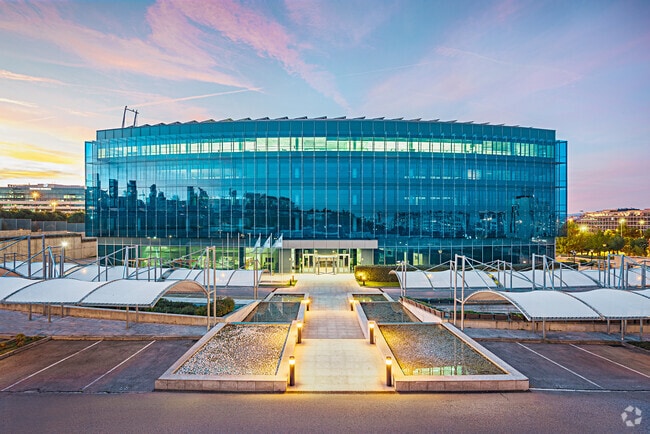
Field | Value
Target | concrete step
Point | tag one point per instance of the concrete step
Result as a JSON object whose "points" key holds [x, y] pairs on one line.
{"points": [[331, 324]]}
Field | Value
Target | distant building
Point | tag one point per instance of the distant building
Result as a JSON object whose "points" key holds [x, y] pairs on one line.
{"points": [[615, 219], [353, 191], [43, 197]]}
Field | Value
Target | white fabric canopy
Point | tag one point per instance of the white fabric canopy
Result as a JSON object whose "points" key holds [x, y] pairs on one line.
{"points": [[140, 293], [53, 291], [224, 277], [9, 285], [616, 303], [89, 273], [644, 292], [558, 305], [419, 279], [537, 305]]}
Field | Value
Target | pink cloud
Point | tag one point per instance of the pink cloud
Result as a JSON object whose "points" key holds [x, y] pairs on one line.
{"points": [[339, 21], [43, 21], [268, 38], [8, 75]]}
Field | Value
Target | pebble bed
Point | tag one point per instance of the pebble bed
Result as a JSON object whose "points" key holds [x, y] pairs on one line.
{"points": [[239, 350], [387, 312], [422, 349]]}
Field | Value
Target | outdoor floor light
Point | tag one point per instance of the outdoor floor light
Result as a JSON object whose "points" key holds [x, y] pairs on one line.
{"points": [[371, 332], [352, 304], [299, 340], [292, 371], [389, 371], [307, 304]]}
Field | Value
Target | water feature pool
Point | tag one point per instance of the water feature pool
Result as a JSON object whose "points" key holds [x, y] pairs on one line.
{"points": [[428, 349], [365, 298], [274, 311], [387, 312], [287, 298]]}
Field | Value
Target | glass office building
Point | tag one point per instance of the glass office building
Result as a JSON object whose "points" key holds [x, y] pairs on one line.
{"points": [[364, 190]]}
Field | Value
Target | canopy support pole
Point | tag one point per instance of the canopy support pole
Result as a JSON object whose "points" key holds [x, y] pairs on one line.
{"points": [[49, 313], [640, 328], [607, 325], [30, 311], [136, 313], [127, 316], [544, 328], [622, 329], [62, 313]]}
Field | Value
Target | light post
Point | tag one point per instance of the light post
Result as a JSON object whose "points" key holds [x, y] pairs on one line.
{"points": [[440, 256], [621, 223], [62, 269]]}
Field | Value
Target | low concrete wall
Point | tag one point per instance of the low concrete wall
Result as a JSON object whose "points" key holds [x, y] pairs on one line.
{"points": [[277, 383], [114, 314], [78, 246]]}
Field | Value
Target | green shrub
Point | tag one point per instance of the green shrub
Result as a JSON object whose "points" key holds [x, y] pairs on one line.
{"points": [[223, 307], [375, 273]]}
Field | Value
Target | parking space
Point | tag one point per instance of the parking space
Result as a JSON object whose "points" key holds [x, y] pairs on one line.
{"points": [[90, 366], [577, 367]]}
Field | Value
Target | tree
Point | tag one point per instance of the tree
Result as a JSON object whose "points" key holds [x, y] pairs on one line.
{"points": [[616, 243], [77, 217]]}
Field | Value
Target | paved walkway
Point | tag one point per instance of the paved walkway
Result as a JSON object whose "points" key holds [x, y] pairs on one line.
{"points": [[334, 356], [12, 323]]}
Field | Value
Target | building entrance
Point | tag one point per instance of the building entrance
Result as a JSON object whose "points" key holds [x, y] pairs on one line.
{"points": [[320, 263]]}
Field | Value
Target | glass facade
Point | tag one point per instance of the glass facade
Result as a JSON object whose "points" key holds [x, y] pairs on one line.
{"points": [[424, 190]]}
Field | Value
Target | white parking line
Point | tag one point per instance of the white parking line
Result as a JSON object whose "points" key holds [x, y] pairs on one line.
{"points": [[48, 367], [556, 363], [609, 360], [118, 365]]}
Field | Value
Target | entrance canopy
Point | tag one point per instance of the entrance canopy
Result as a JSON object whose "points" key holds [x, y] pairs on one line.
{"points": [[558, 305]]}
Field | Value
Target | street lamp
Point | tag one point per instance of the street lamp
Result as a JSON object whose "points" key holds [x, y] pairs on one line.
{"points": [[621, 222], [440, 256]]}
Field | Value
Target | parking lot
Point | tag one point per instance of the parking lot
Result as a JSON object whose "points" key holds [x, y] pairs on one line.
{"points": [[577, 367], [90, 366], [118, 366]]}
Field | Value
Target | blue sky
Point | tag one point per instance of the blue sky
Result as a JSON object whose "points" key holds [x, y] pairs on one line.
{"points": [[582, 68]]}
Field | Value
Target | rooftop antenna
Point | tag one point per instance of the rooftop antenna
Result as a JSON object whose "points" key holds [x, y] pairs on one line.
{"points": [[135, 117]]}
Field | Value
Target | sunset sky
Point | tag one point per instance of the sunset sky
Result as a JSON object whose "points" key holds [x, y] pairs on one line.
{"points": [[582, 68]]}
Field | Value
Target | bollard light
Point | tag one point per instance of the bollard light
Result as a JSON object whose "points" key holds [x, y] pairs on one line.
{"points": [[307, 304], [299, 340], [371, 332], [352, 304], [292, 371], [389, 371]]}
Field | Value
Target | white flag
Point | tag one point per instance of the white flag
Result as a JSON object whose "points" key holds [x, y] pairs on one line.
{"points": [[267, 243], [278, 243]]}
